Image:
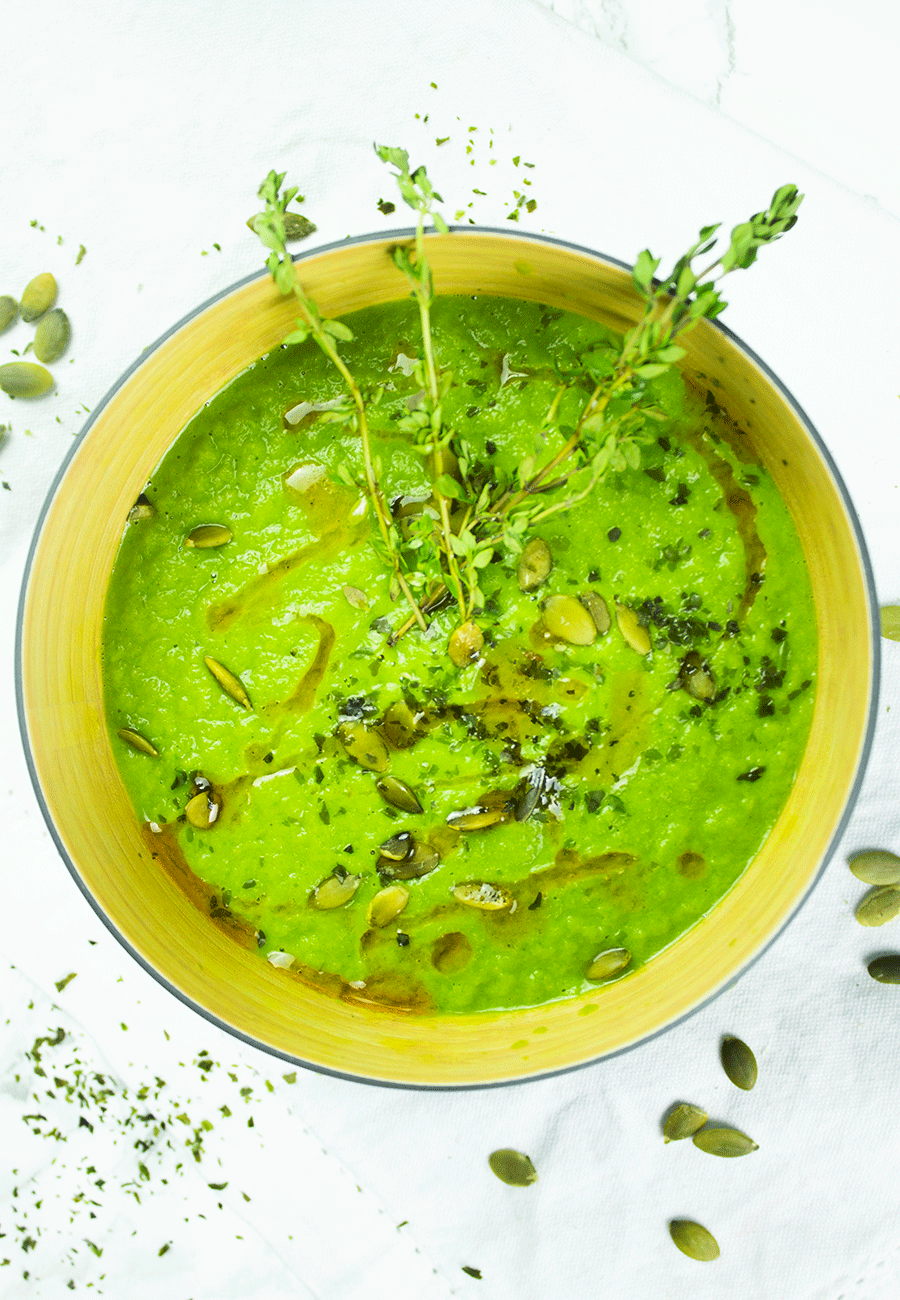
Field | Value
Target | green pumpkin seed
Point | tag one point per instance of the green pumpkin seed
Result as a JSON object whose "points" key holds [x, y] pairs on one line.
{"points": [[876, 867], [451, 952], [726, 1142], [230, 684], [739, 1063], [143, 508], [399, 726], [598, 609], [534, 564], [387, 905], [890, 622], [484, 896], [207, 536], [512, 1167], [879, 905], [423, 860], [398, 794], [9, 310], [607, 964], [886, 970], [477, 819], [695, 676], [636, 636], [364, 746], [203, 809], [683, 1122], [465, 643], [25, 379], [334, 891], [398, 848], [38, 296], [51, 338], [137, 741], [693, 1240], [567, 619]]}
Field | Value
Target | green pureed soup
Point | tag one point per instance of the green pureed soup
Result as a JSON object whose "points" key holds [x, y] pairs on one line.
{"points": [[401, 831]]}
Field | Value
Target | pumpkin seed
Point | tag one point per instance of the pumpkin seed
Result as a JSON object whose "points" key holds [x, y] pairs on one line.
{"points": [[358, 599], [51, 338], [25, 379], [876, 867], [38, 296], [890, 622], [693, 1240], [695, 676], [598, 609], [9, 310], [683, 1122], [465, 643], [879, 905], [230, 684], [739, 1063], [451, 952], [534, 564], [484, 896], [886, 970], [399, 726], [726, 1142], [334, 891], [398, 794], [364, 746], [477, 819], [203, 809], [143, 508], [398, 848], [636, 636], [423, 860], [607, 964], [207, 536], [137, 741], [386, 905], [512, 1167], [567, 619], [529, 796]]}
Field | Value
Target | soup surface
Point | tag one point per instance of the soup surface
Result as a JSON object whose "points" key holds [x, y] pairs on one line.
{"points": [[383, 824]]}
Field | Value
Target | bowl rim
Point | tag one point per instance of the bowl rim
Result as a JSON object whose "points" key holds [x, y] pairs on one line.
{"points": [[404, 234]]}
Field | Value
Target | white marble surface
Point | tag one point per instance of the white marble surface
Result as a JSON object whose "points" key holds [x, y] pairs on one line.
{"points": [[142, 131]]}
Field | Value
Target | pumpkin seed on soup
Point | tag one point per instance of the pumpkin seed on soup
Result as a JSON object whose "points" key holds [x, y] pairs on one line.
{"points": [[876, 867], [398, 794], [207, 536], [202, 810], [598, 609], [137, 741], [334, 891], [635, 635], [608, 963], [567, 619], [534, 564], [364, 746], [465, 644], [484, 896], [512, 1167], [693, 1240], [387, 905], [683, 1122], [230, 684], [739, 1063]]}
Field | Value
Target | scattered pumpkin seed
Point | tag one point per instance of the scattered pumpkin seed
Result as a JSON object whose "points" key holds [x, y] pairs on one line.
{"points": [[143, 508], [38, 296], [534, 564], [695, 676], [727, 1142], [567, 619], [465, 643], [25, 379], [477, 819], [51, 338], [398, 794], [890, 622], [512, 1167], [683, 1122], [876, 867], [607, 964], [879, 905], [9, 310], [358, 599], [207, 536], [230, 684], [484, 896], [598, 609], [203, 809], [423, 860], [886, 970], [636, 636], [739, 1063], [451, 952], [334, 891], [386, 905], [137, 741], [693, 1240], [399, 726], [364, 746], [398, 848]]}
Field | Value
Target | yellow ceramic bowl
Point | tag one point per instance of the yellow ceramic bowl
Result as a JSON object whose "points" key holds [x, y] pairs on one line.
{"points": [[95, 827]]}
